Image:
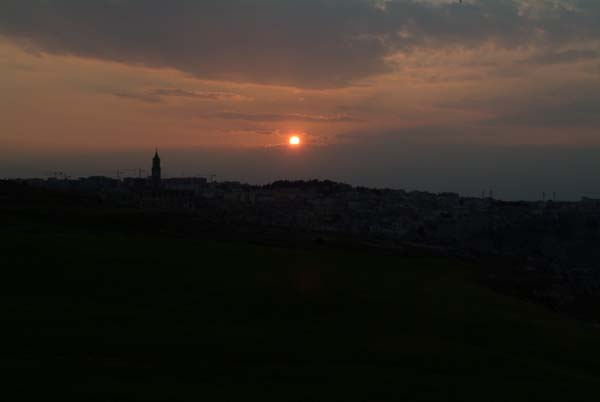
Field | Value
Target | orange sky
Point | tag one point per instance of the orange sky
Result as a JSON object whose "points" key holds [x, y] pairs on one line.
{"points": [[485, 72], [58, 102]]}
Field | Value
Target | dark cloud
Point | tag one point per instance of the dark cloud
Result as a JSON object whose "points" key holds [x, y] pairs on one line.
{"points": [[202, 95], [261, 131], [157, 95], [580, 113], [569, 104], [304, 43], [271, 117], [182, 93], [565, 56], [401, 134], [142, 97]]}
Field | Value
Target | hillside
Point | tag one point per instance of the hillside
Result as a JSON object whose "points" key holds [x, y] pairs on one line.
{"points": [[97, 308]]}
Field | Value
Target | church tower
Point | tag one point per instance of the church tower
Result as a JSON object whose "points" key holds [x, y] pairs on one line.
{"points": [[156, 172]]}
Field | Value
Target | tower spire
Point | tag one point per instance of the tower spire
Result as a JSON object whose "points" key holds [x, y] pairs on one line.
{"points": [[156, 171]]}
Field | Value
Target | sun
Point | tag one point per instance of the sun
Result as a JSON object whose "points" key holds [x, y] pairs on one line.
{"points": [[294, 140]]}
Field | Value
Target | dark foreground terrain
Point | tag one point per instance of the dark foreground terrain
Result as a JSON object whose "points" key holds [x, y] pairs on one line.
{"points": [[101, 304]]}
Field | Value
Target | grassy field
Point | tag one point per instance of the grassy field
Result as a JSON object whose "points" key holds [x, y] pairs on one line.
{"points": [[104, 313]]}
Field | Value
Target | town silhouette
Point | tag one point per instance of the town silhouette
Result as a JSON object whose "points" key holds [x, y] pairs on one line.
{"points": [[300, 200], [223, 283]]}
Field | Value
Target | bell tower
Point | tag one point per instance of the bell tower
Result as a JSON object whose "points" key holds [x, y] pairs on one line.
{"points": [[156, 171]]}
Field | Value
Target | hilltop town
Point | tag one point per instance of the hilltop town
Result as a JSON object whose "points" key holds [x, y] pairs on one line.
{"points": [[201, 276], [550, 243]]}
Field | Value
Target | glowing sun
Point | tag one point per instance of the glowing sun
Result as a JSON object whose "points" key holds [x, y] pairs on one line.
{"points": [[294, 140]]}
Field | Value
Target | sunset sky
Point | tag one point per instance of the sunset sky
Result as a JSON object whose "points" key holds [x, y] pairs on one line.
{"points": [[417, 94]]}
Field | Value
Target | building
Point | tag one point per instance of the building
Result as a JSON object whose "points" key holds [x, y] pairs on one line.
{"points": [[156, 172], [194, 184]]}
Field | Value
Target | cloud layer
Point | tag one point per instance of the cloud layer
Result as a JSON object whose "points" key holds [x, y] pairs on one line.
{"points": [[302, 43]]}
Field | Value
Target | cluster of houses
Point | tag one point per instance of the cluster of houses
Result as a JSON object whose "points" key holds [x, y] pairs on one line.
{"points": [[558, 238], [558, 241], [444, 219]]}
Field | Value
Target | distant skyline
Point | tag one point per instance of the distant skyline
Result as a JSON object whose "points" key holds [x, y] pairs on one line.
{"points": [[419, 94], [513, 173]]}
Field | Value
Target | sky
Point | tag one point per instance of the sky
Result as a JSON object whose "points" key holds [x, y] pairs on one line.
{"points": [[432, 95]]}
